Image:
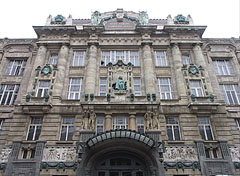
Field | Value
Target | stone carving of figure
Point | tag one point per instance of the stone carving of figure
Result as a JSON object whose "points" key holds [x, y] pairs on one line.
{"points": [[86, 116], [148, 118], [143, 16], [92, 119], [156, 123], [95, 17], [120, 84]]}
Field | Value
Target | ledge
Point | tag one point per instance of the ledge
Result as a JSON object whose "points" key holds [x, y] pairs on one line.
{"points": [[175, 142], [64, 142]]}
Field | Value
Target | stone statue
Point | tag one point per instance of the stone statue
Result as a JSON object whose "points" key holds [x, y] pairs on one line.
{"points": [[86, 116], [143, 16], [148, 118], [120, 84], [95, 17], [92, 120], [156, 123]]}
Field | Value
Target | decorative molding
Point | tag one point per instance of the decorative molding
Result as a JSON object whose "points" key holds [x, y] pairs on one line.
{"points": [[235, 154], [59, 154], [4, 155]]}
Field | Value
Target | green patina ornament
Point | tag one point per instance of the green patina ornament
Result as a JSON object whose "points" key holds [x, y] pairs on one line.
{"points": [[91, 97], [95, 17], [154, 97], [180, 19], [46, 70], [86, 97], [59, 19], [120, 84], [131, 97], [193, 70], [148, 97], [108, 97], [193, 97], [28, 97], [211, 96]]}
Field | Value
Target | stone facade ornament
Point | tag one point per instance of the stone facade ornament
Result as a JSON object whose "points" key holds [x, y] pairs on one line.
{"points": [[59, 19], [46, 70], [120, 84], [95, 17], [4, 155], [59, 154], [180, 19], [176, 154], [235, 154]]}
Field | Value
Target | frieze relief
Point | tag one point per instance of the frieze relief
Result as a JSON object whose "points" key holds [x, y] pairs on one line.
{"points": [[235, 154], [4, 155], [59, 154], [176, 154]]}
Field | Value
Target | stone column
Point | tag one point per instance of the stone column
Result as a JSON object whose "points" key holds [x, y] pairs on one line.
{"points": [[198, 55], [148, 70], [177, 61], [132, 122], [62, 62], [91, 70], [108, 122], [41, 56]]}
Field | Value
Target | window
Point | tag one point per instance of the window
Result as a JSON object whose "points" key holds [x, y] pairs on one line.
{"points": [[161, 59], [231, 93], [173, 131], [205, 128], [28, 153], [120, 123], [211, 152], [67, 128], [186, 60], [125, 56], [140, 124], [34, 129], [102, 86], [99, 124], [223, 67], [137, 86], [164, 88], [16, 67], [53, 59], [196, 88], [8, 94], [1, 124], [43, 88], [78, 58], [74, 88], [238, 124]]}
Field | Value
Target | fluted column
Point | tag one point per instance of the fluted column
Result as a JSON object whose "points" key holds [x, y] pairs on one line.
{"points": [[62, 62], [177, 60], [91, 70], [198, 55], [108, 122], [148, 70], [132, 122]]}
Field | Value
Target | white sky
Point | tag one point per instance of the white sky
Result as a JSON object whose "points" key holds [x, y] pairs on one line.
{"points": [[18, 16]]}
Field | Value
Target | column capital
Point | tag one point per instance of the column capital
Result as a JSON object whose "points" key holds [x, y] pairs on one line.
{"points": [[132, 116], [108, 116]]}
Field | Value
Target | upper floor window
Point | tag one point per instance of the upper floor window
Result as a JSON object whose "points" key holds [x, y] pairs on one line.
{"points": [[173, 130], [120, 123], [74, 88], [196, 88], [16, 67], [161, 59], [99, 124], [238, 124], [205, 128], [137, 86], [53, 59], [43, 88], [164, 88], [67, 128], [103, 86], [231, 93], [186, 60], [8, 93], [223, 67], [78, 58], [34, 129], [125, 56], [140, 124]]}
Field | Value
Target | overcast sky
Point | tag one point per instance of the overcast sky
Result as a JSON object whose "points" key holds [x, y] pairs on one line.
{"points": [[221, 16]]}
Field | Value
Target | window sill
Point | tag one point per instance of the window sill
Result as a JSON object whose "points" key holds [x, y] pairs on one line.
{"points": [[175, 142], [210, 141], [162, 66], [29, 142], [64, 142]]}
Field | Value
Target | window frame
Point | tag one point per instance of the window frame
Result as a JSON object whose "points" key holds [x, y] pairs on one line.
{"points": [[234, 88], [44, 89], [140, 124], [172, 125], [68, 125], [165, 93], [186, 58], [6, 91], [206, 137], [53, 59], [115, 122], [35, 125], [71, 85], [223, 70], [196, 89], [12, 69], [161, 60], [137, 92], [78, 60], [103, 93], [98, 119]]}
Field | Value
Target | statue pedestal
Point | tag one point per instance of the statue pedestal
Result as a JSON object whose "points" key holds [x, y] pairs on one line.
{"points": [[120, 95]]}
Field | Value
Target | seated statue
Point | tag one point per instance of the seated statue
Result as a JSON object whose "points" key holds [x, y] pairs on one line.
{"points": [[120, 84]]}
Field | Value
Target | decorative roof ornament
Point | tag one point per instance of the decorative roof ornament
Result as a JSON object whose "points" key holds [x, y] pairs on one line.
{"points": [[95, 17], [59, 19], [143, 17], [180, 19]]}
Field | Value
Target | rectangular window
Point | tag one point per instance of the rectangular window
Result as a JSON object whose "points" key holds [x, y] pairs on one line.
{"points": [[164, 88], [186, 60], [238, 124], [205, 128], [173, 130], [16, 67], [67, 128], [223, 67], [231, 93], [8, 94], [125, 56], [74, 88], [53, 59], [78, 58], [120, 123], [34, 129], [137, 86], [161, 59], [43, 88], [99, 125], [196, 88], [102, 86], [140, 125], [28, 153]]}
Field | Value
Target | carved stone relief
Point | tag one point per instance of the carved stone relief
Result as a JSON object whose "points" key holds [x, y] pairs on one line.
{"points": [[175, 154], [4, 155], [59, 154], [235, 154]]}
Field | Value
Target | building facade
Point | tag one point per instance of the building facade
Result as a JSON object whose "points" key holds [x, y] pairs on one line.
{"points": [[119, 94]]}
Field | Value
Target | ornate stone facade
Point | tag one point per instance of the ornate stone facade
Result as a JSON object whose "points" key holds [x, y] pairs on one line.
{"points": [[59, 154]]}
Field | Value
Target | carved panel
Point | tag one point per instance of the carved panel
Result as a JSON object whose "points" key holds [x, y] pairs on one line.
{"points": [[235, 154], [175, 154], [59, 154], [4, 155]]}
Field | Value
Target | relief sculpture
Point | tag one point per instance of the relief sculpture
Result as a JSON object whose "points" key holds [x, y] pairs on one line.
{"points": [[4, 155], [235, 154], [62, 154]]}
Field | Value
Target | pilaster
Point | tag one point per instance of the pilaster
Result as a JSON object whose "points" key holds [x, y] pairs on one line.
{"points": [[108, 122], [132, 122]]}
